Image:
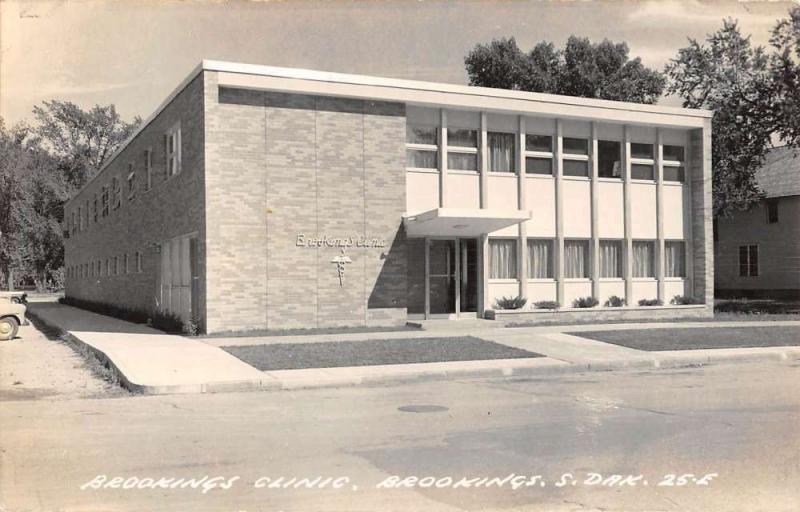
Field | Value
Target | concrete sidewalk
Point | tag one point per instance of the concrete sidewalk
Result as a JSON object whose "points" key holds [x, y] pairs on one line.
{"points": [[149, 361]]}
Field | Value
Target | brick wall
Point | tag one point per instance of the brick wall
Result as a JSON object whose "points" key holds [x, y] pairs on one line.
{"points": [[172, 207], [702, 220], [280, 165]]}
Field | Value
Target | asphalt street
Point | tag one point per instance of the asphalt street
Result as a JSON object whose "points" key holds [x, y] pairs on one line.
{"points": [[426, 446]]}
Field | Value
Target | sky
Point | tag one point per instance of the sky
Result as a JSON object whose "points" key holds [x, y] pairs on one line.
{"points": [[133, 53]]}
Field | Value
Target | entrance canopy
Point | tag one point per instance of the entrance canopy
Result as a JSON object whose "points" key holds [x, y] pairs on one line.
{"points": [[461, 222]]}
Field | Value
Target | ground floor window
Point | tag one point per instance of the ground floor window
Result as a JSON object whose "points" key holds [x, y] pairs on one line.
{"points": [[610, 258], [748, 260], [540, 259], [576, 259], [503, 259], [674, 259], [643, 259]]}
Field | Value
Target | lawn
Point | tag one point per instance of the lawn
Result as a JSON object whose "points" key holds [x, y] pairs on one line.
{"points": [[293, 356], [689, 338]]}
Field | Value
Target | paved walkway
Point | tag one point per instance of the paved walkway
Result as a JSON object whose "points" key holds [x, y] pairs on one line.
{"points": [[153, 362]]}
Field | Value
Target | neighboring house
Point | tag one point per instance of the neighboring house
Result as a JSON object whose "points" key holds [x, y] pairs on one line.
{"points": [[271, 198], [757, 252]]}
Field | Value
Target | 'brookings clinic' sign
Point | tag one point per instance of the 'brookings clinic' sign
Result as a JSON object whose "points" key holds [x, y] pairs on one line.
{"points": [[325, 240]]}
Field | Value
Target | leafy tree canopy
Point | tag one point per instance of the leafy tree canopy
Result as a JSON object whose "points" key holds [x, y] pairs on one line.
{"points": [[591, 70]]}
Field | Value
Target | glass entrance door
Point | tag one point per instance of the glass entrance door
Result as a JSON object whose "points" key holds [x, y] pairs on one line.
{"points": [[452, 277]]}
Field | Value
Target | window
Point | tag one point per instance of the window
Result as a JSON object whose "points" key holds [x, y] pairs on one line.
{"points": [[99, 267], [73, 225], [540, 259], [642, 161], [105, 201], [117, 191], [95, 210], [576, 259], [643, 259], [501, 152], [748, 260], [125, 265], [80, 219], [674, 259], [462, 149], [173, 150], [108, 266], [422, 150], [575, 157], [148, 168], [609, 159], [538, 154], [611, 258], [131, 182], [138, 261], [116, 265], [674, 169], [503, 259], [772, 211]]}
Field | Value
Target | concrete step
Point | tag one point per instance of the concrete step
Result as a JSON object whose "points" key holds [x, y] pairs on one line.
{"points": [[459, 325]]}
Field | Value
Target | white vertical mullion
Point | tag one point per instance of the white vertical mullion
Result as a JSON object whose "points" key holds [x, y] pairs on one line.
{"points": [[594, 250], [559, 174], [522, 244], [483, 163], [427, 246], [442, 158], [688, 232], [660, 214], [626, 193]]}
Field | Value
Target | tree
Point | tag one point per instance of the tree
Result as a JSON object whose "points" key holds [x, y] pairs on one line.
{"points": [[736, 80], [785, 65], [601, 70], [81, 140]]}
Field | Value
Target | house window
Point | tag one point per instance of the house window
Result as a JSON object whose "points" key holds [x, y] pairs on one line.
{"points": [[642, 161], [501, 151], [116, 265], [609, 159], [108, 266], [462, 149], [674, 166], [503, 259], [748, 260], [117, 191], [674, 258], [138, 261], [105, 200], [422, 150], [611, 258], [772, 211], [125, 264], [173, 150], [575, 157], [73, 225], [131, 182], [148, 168], [80, 219], [576, 259], [643, 258], [94, 208], [540, 259], [538, 154]]}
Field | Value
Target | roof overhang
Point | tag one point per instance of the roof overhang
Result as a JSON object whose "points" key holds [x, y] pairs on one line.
{"points": [[462, 222]]}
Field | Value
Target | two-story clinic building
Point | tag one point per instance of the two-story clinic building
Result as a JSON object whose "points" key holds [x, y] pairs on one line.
{"points": [[269, 198]]}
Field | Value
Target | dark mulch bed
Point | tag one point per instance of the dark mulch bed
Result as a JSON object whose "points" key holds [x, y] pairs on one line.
{"points": [[699, 337], [293, 356]]}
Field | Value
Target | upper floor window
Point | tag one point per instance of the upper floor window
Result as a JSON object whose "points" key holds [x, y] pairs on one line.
{"points": [[148, 169], [173, 150], [538, 154], [609, 159], [772, 210], [80, 219], [422, 147], [105, 201], [117, 191], [462, 149], [642, 161], [748, 260], [501, 151], [575, 157], [73, 225], [138, 261], [674, 166], [95, 210], [131, 182]]}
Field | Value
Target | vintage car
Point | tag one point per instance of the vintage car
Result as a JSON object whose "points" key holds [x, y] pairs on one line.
{"points": [[17, 297], [12, 315]]}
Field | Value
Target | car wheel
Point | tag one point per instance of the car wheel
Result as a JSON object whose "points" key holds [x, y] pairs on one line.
{"points": [[8, 328]]}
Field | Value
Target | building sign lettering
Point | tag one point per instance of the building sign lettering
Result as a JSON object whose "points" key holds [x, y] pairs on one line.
{"points": [[325, 240]]}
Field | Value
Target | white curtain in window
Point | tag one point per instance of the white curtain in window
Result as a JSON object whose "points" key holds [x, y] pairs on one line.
{"points": [[501, 152], [575, 259], [643, 254], [540, 254], [503, 259], [610, 259], [674, 256]]}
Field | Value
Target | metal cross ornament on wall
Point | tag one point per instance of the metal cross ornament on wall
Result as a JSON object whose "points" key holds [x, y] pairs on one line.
{"points": [[341, 260]]}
